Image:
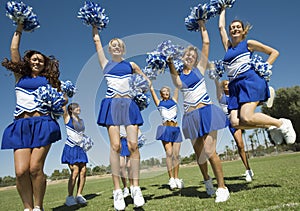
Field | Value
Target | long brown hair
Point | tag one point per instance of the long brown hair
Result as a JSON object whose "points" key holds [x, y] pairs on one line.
{"points": [[50, 71]]}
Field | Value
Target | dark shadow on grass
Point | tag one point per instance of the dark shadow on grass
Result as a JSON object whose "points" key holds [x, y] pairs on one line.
{"points": [[77, 206]]}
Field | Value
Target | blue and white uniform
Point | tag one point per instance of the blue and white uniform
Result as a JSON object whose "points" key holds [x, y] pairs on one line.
{"points": [[30, 132], [168, 112], [245, 85], [120, 110], [201, 121], [72, 152]]}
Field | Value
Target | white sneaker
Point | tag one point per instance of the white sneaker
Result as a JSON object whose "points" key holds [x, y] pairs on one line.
{"points": [[80, 199], [222, 194], [172, 183], [287, 131], [70, 201], [248, 176], [26, 209], [131, 191], [138, 199], [36, 208], [125, 192], [269, 102], [119, 203], [209, 187], [179, 183], [276, 135]]}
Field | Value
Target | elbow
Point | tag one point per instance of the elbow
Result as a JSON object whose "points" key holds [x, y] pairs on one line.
{"points": [[276, 53]]}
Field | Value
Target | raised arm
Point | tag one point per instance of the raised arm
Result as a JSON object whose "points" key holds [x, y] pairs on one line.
{"points": [[154, 96], [174, 75], [66, 115], [175, 95], [205, 48], [222, 29], [101, 56], [254, 45], [14, 48]]}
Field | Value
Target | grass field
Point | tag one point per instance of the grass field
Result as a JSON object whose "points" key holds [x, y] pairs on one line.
{"points": [[275, 187]]}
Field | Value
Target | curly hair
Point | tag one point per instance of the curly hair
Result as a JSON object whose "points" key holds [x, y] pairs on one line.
{"points": [[50, 71]]}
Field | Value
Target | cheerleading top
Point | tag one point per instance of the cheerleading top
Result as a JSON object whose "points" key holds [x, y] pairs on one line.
{"points": [[194, 89], [75, 131], [25, 94], [224, 103], [237, 60], [168, 110], [117, 75]]}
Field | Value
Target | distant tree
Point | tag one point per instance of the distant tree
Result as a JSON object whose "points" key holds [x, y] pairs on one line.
{"points": [[286, 105], [55, 175], [65, 173]]}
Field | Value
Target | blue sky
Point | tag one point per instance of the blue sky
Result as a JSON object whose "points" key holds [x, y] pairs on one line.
{"points": [[142, 26]]}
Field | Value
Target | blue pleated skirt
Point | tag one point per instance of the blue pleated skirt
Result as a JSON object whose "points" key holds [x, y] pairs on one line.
{"points": [[202, 121], [247, 87], [72, 155], [119, 111], [31, 132], [168, 133], [124, 148]]}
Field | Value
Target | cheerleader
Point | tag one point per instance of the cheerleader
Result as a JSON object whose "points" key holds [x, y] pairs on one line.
{"points": [[33, 129], [222, 96], [169, 132], [247, 89], [73, 154], [118, 108], [201, 119]]}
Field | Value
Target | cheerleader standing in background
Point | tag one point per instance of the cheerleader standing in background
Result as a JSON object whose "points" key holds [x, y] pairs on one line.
{"points": [[73, 154], [201, 119], [246, 88], [222, 96], [33, 130], [117, 108], [169, 133]]}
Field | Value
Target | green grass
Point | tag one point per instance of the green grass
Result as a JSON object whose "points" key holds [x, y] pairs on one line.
{"points": [[275, 187]]}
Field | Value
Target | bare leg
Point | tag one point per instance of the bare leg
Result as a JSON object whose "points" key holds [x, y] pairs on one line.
{"points": [[132, 137], [247, 118], [240, 144], [38, 178], [169, 157], [72, 179], [114, 137], [81, 179], [176, 161], [23, 180], [123, 170]]}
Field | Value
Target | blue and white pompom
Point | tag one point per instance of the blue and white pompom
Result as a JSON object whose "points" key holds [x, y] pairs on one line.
{"points": [[142, 100], [20, 13], [68, 87], [156, 61], [178, 65], [216, 69], [141, 140], [92, 14], [148, 71], [50, 99], [218, 5], [137, 84], [86, 143], [263, 68]]}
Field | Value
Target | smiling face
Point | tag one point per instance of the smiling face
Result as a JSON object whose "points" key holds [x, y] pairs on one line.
{"points": [[37, 63], [236, 29], [116, 47], [165, 93], [190, 58]]}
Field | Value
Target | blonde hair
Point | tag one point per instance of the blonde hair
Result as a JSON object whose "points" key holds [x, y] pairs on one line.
{"points": [[120, 42], [223, 83], [165, 87], [246, 27], [192, 48]]}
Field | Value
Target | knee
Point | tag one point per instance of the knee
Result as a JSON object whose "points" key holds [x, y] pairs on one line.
{"points": [[234, 123], [169, 153], [36, 170], [20, 173], [116, 147], [246, 120], [132, 146], [83, 171]]}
